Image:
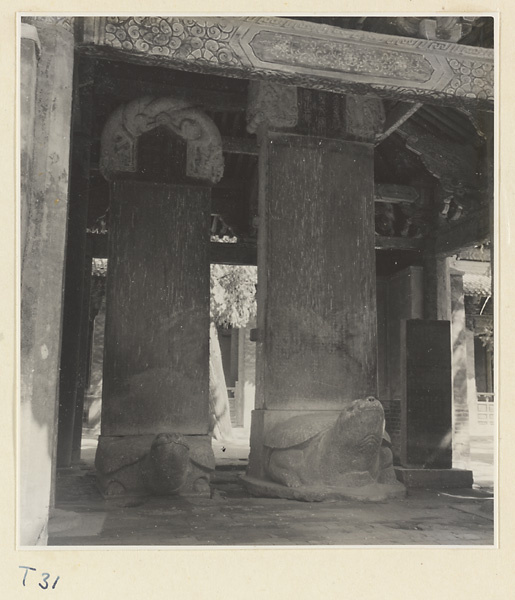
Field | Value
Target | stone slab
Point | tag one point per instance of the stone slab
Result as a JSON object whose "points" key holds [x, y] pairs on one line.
{"points": [[156, 354], [435, 478], [369, 493]]}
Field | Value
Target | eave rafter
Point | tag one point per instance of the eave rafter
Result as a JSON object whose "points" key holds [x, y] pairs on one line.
{"points": [[303, 54]]}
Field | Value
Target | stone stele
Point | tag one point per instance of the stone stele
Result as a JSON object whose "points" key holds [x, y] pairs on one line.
{"points": [[318, 457]]}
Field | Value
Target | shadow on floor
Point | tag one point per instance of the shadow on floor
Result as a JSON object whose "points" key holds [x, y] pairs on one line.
{"points": [[231, 517]]}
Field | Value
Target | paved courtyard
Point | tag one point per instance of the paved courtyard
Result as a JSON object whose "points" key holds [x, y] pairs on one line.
{"points": [[233, 518]]}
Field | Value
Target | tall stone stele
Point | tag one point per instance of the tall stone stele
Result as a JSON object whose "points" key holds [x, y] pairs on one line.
{"points": [[318, 428], [155, 407]]}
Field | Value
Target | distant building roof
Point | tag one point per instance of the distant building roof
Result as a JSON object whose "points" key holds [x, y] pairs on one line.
{"points": [[477, 285]]}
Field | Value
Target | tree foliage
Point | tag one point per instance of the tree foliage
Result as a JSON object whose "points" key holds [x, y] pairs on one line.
{"points": [[233, 294]]}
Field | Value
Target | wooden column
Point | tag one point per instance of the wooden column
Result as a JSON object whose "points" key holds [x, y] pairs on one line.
{"points": [[84, 342], [75, 298], [425, 360], [460, 409]]}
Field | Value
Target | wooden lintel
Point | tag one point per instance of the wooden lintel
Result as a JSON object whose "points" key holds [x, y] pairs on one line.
{"points": [[241, 253], [97, 245], [234, 145], [399, 114], [125, 90], [394, 193], [398, 243]]}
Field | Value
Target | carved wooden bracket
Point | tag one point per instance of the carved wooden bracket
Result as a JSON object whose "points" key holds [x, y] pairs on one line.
{"points": [[449, 29], [271, 104], [119, 138], [364, 117], [454, 165]]}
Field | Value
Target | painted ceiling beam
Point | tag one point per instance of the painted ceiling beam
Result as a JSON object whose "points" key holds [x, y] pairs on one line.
{"points": [[300, 53]]}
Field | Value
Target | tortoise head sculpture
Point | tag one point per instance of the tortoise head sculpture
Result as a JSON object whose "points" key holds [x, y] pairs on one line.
{"points": [[173, 465]]}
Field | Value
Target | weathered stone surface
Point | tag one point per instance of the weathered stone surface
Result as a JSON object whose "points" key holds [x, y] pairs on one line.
{"points": [[317, 320], [45, 105], [165, 464], [373, 492], [156, 361]]}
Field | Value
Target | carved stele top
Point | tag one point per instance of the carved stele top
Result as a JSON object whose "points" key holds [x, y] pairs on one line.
{"points": [[118, 146]]}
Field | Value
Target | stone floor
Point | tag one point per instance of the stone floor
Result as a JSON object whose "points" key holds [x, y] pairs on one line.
{"points": [[233, 518]]}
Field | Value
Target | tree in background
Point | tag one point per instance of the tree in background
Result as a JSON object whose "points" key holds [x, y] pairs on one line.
{"points": [[233, 304]]}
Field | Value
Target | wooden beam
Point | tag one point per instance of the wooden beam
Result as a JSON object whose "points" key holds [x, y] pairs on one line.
{"points": [[299, 53], [245, 253], [241, 253], [394, 193], [97, 245], [399, 114], [234, 145], [124, 90], [399, 243]]}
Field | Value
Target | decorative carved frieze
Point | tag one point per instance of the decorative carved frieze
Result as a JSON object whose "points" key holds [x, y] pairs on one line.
{"points": [[305, 54], [203, 40], [120, 136], [271, 104], [328, 55]]}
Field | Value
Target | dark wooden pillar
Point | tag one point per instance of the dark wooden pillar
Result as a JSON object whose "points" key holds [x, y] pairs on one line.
{"points": [[83, 359], [426, 393], [75, 308]]}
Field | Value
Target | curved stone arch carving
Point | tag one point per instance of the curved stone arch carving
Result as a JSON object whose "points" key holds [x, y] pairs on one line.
{"points": [[119, 140]]}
